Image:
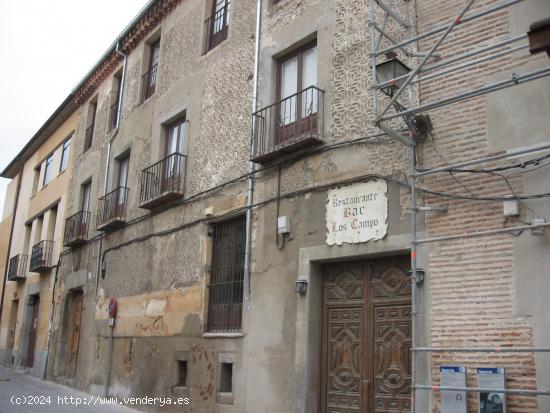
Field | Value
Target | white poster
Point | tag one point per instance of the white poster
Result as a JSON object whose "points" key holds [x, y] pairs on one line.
{"points": [[357, 213]]}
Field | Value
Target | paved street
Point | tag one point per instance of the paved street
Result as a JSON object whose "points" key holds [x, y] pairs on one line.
{"points": [[20, 393]]}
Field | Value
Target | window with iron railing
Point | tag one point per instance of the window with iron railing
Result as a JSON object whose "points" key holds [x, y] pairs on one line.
{"points": [[76, 229], [217, 25], [17, 267], [112, 208], [149, 79], [41, 256], [295, 121], [225, 291]]}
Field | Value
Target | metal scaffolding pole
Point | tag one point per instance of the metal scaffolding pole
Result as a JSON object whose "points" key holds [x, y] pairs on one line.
{"points": [[443, 27], [509, 154], [524, 392], [425, 59], [413, 273], [377, 34], [463, 56], [483, 233], [513, 81], [482, 349]]}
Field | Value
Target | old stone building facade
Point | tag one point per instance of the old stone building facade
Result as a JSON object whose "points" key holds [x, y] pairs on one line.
{"points": [[237, 203]]}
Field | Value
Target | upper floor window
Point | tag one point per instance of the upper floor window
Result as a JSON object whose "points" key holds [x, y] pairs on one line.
{"points": [[123, 164], [85, 191], [36, 179], [149, 79], [113, 110], [217, 25], [65, 152], [175, 137], [225, 291], [297, 72], [295, 120], [48, 169], [89, 134]]}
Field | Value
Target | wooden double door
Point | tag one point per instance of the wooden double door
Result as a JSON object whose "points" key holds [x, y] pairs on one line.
{"points": [[366, 359], [73, 337]]}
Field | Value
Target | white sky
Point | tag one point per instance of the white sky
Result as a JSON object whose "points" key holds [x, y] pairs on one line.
{"points": [[47, 46]]}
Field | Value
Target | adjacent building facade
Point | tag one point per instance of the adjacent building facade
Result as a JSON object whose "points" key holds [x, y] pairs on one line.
{"points": [[238, 229], [34, 212]]}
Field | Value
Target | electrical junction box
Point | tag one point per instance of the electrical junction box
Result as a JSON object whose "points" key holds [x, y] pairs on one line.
{"points": [[283, 225], [453, 401], [491, 378], [510, 208]]}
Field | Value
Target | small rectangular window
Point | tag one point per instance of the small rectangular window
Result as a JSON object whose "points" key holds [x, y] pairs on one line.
{"points": [[226, 378], [85, 190], [48, 170], [113, 110], [225, 291], [182, 373], [89, 133], [65, 153], [36, 180], [149, 79]]}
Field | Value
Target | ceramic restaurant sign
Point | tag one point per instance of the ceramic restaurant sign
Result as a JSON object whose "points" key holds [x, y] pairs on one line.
{"points": [[357, 213]]}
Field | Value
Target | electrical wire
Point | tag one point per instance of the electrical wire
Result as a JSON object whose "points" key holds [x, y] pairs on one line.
{"points": [[377, 138]]}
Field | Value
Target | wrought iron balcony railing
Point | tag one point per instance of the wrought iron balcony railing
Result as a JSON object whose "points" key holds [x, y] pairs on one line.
{"points": [[76, 229], [216, 28], [112, 209], [294, 123], [148, 83], [163, 182], [17, 268], [41, 256]]}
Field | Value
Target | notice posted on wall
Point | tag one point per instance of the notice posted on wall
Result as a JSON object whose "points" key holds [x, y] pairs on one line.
{"points": [[453, 401], [491, 378], [357, 213]]}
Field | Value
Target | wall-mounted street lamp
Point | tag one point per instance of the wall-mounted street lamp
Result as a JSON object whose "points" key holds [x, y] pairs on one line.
{"points": [[389, 70], [420, 275], [301, 286], [539, 37], [392, 74]]}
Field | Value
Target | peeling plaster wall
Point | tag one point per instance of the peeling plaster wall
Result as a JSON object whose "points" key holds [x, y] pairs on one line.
{"points": [[160, 282]]}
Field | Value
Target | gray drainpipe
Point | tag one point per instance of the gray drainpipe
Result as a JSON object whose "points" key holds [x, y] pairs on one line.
{"points": [[251, 165], [108, 161], [251, 170], [120, 92], [105, 182]]}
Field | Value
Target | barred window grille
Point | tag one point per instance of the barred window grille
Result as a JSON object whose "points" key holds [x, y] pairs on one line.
{"points": [[225, 291]]}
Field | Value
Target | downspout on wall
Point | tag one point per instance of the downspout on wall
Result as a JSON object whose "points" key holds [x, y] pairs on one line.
{"points": [[105, 182], [108, 160], [250, 180], [251, 165]]}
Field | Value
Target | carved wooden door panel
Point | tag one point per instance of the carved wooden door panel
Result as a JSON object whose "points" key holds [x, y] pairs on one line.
{"points": [[343, 339], [366, 337], [77, 300], [390, 312], [33, 331]]}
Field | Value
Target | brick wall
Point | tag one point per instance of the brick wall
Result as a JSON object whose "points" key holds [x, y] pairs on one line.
{"points": [[471, 280]]}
